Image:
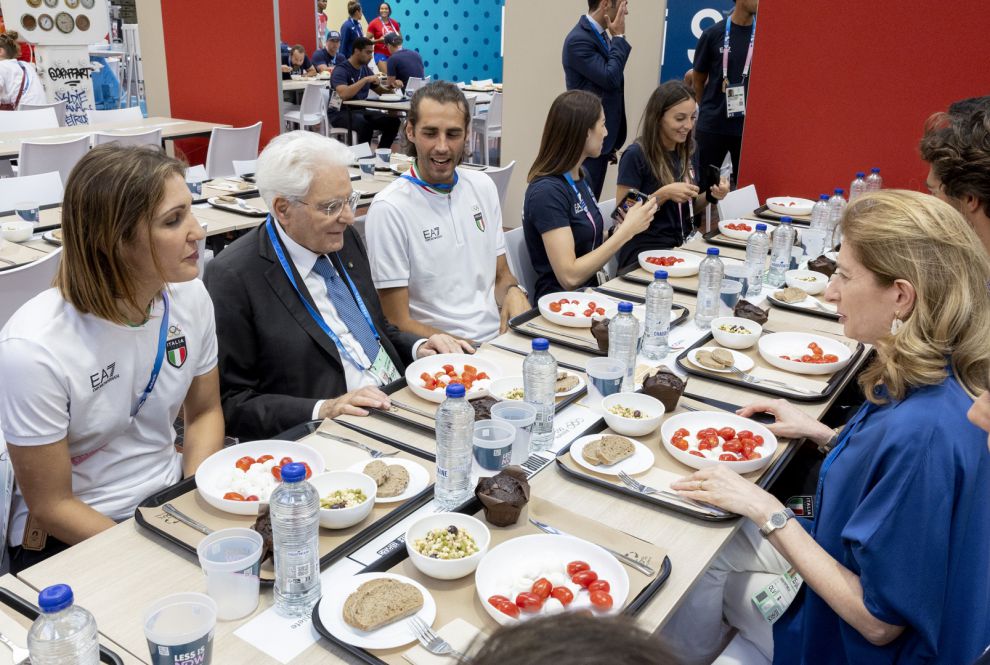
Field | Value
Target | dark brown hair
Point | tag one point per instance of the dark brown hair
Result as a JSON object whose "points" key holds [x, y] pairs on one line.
{"points": [[565, 133], [442, 92], [9, 45], [353, 7], [957, 145], [665, 97], [298, 48]]}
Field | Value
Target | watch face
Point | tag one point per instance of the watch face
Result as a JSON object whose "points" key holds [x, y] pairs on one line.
{"points": [[71, 4], [51, 3], [82, 22], [778, 520], [88, 4], [34, 3], [29, 22], [45, 22], [65, 23]]}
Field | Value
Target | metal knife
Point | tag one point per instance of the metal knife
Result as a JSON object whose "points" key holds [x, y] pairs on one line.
{"points": [[764, 418], [169, 509], [628, 560]]}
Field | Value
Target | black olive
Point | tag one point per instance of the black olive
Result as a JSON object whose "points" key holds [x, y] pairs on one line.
{"points": [[434, 556], [452, 530], [637, 414], [338, 505]]}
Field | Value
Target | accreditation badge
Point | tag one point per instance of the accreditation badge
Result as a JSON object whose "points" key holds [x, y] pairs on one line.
{"points": [[773, 600], [383, 369], [735, 101]]}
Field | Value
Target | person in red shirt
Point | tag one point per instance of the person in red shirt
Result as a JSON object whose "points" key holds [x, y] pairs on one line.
{"points": [[377, 29]]}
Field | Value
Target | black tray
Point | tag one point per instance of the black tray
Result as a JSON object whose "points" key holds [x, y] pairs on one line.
{"points": [[831, 386], [803, 310], [763, 212], [626, 274], [716, 238], [21, 606]]}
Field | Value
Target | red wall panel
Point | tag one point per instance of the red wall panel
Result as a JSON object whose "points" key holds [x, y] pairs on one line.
{"points": [[297, 23], [846, 85]]}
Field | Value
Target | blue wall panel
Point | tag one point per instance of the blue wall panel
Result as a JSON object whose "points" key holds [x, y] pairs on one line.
{"points": [[686, 20]]}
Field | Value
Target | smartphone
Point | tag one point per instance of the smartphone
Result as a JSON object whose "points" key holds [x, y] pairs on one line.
{"points": [[632, 196], [714, 176]]}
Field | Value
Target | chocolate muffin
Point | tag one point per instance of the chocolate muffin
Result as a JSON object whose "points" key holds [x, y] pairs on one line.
{"points": [[666, 387], [263, 525], [747, 310], [483, 407], [822, 264], [503, 495], [599, 330]]}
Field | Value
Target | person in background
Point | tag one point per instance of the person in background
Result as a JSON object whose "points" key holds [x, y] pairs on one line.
{"points": [[378, 29], [661, 163], [721, 75], [97, 368], [350, 29], [19, 82], [564, 229], [328, 57], [402, 63], [899, 542], [302, 332], [979, 415], [321, 23], [594, 58], [352, 79], [435, 234], [297, 63]]}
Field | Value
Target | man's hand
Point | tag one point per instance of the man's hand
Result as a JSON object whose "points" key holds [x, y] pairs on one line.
{"points": [[286, 69], [514, 304], [355, 403], [618, 25], [371, 79], [443, 344]]}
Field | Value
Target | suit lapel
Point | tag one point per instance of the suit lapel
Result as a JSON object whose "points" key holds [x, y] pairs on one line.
{"points": [[595, 35]]}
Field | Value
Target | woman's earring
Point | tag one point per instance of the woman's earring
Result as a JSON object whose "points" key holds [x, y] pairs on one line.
{"points": [[896, 324]]}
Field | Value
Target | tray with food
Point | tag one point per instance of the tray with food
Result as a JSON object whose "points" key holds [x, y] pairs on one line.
{"points": [[681, 266], [798, 209], [464, 574], [803, 290], [236, 205], [803, 366], [365, 487], [735, 232]]}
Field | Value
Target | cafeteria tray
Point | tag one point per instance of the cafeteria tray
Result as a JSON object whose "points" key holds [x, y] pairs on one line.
{"points": [[763, 212], [633, 273], [811, 311], [334, 543], [30, 612], [716, 238]]}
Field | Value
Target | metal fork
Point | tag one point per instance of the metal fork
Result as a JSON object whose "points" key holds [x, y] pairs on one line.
{"points": [[412, 409], [357, 444], [18, 655], [431, 641], [637, 486], [748, 378], [169, 509]]}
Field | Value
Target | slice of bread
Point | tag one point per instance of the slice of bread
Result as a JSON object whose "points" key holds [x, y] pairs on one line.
{"points": [[378, 470], [396, 483], [380, 602], [613, 449], [590, 452], [565, 382]]}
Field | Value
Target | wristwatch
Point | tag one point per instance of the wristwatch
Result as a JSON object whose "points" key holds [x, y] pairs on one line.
{"points": [[777, 521], [521, 288]]}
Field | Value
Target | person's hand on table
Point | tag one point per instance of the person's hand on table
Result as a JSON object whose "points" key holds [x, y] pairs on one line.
{"points": [[678, 192], [514, 304], [637, 219], [441, 343], [355, 403], [618, 26], [371, 79], [721, 190], [791, 422], [286, 69], [723, 487]]}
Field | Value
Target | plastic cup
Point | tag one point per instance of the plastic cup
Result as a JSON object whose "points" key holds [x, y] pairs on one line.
{"points": [[179, 629], [384, 155], [813, 241], [195, 187], [729, 294], [367, 166], [493, 444], [738, 272], [521, 416], [28, 211], [231, 560], [604, 378]]}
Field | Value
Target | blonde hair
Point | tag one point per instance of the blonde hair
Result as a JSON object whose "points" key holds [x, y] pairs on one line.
{"points": [[899, 234]]}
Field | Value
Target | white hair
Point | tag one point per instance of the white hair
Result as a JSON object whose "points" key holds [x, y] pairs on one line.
{"points": [[288, 164]]}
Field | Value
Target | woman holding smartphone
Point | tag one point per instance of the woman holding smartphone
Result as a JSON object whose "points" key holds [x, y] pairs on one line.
{"points": [[662, 163], [565, 231]]}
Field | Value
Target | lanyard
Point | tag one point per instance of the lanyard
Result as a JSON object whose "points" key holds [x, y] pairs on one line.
{"points": [[726, 47], [159, 357], [847, 433], [317, 318], [441, 188], [387, 26], [584, 207], [601, 38]]}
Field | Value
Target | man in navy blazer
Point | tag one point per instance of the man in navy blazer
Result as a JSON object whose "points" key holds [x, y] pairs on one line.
{"points": [[594, 58]]}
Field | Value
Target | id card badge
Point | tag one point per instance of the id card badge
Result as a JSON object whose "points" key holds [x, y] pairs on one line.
{"points": [[735, 101], [773, 600], [335, 101], [383, 369]]}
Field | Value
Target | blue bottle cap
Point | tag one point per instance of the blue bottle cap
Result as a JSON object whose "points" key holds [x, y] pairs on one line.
{"points": [[761, 227], [840, 191], [824, 197], [453, 390], [875, 169], [625, 307], [541, 344], [55, 598], [786, 220], [860, 174], [660, 274], [293, 473], [713, 251]]}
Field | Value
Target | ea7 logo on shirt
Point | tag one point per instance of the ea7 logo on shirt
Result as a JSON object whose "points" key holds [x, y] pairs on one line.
{"points": [[103, 377], [479, 220], [431, 234], [175, 347]]}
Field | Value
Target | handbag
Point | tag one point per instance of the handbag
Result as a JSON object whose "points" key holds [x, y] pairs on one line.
{"points": [[7, 106]]}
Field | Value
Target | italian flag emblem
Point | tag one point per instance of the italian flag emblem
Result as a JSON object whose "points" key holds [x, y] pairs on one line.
{"points": [[175, 351]]}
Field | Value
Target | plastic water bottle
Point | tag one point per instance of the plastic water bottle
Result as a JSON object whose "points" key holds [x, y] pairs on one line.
{"points": [[63, 634], [295, 513], [710, 276], [819, 213], [623, 343], [659, 301], [757, 248], [455, 443], [874, 183], [858, 186], [836, 206], [540, 389], [780, 256]]}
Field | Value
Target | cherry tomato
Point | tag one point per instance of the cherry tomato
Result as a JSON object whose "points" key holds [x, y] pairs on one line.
{"points": [[592, 305], [754, 455], [233, 496], [601, 600], [496, 599], [600, 311], [600, 585], [481, 375], [309, 472], [277, 472], [584, 578], [758, 439], [587, 312], [707, 432], [508, 607], [529, 602], [263, 459], [727, 433], [682, 432], [244, 463], [253, 497], [575, 567], [733, 446], [695, 453], [568, 314], [554, 307], [284, 461], [747, 451], [679, 442], [575, 302], [448, 368], [563, 594], [744, 434], [542, 588], [728, 457]]}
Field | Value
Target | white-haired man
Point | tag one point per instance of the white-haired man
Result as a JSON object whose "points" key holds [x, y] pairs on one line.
{"points": [[301, 331]]}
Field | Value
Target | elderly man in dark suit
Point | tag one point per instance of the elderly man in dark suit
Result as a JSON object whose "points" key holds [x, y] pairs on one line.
{"points": [[594, 58], [300, 329]]}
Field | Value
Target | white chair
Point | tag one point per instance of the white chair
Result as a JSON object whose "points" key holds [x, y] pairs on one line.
{"points": [[739, 203], [518, 257], [415, 83], [18, 285], [130, 114], [312, 110], [43, 188], [58, 106], [38, 158], [489, 126], [501, 176], [361, 150], [19, 121], [606, 208], [150, 138], [228, 144], [243, 166]]}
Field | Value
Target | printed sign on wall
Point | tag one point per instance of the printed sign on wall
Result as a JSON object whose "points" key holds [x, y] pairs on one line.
{"points": [[686, 20], [65, 72]]}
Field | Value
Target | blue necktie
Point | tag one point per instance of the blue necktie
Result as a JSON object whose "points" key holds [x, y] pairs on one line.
{"points": [[347, 309]]}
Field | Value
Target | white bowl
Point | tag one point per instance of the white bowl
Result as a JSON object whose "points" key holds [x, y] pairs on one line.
{"points": [[649, 406], [447, 569], [736, 340], [433, 364], [17, 231], [501, 386], [220, 463], [723, 228], [584, 301], [341, 518], [799, 279], [790, 205], [795, 344], [695, 421], [689, 266]]}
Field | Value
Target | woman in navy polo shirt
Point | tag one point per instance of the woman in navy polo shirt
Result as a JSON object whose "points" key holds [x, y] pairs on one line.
{"points": [[565, 232], [351, 28]]}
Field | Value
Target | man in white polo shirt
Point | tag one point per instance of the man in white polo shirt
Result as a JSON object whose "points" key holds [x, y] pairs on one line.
{"points": [[435, 234]]}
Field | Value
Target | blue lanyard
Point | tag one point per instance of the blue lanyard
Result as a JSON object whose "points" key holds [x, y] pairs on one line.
{"points": [[159, 357], [601, 38], [726, 48], [444, 188], [317, 318], [584, 207], [847, 433]]}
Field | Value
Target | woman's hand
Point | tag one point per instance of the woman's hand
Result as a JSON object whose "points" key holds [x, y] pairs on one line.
{"points": [[791, 423], [721, 190], [678, 192], [722, 487], [637, 219]]}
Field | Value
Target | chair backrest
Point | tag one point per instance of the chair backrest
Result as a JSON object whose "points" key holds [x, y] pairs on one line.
{"points": [[739, 203], [518, 257], [19, 121], [228, 144], [495, 111], [43, 188], [312, 100], [18, 285], [58, 106], [242, 166], [130, 114], [415, 83], [606, 208], [38, 158], [501, 176], [149, 138], [361, 150]]}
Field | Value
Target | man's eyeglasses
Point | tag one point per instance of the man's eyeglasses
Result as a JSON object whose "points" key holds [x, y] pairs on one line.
{"points": [[336, 206]]}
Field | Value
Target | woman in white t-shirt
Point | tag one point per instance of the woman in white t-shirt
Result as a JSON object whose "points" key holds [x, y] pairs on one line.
{"points": [[14, 74], [93, 372]]}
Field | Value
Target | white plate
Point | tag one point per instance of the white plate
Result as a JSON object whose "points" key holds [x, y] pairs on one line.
{"points": [[687, 268], [387, 637], [391, 97], [741, 361], [49, 236], [515, 559], [241, 209], [575, 389], [793, 344], [807, 303], [434, 364], [501, 386], [583, 300], [732, 233], [790, 205], [419, 477], [695, 421], [641, 460]]}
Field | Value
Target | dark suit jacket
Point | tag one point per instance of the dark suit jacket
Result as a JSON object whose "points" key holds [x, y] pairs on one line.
{"points": [[588, 66], [275, 362]]}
